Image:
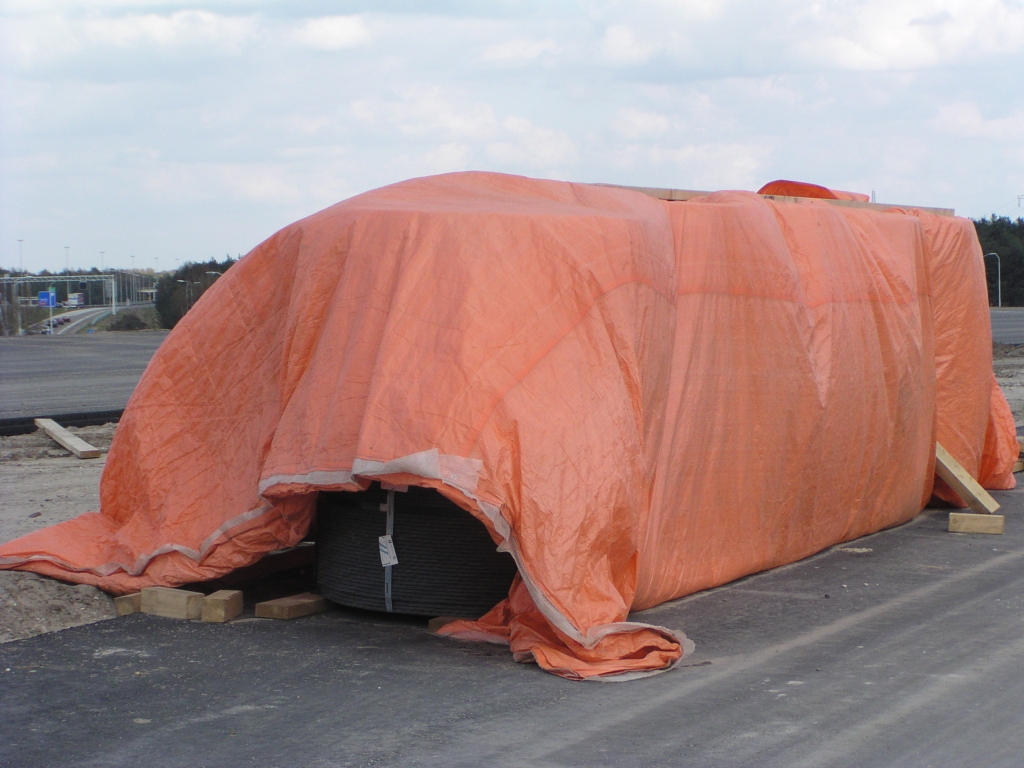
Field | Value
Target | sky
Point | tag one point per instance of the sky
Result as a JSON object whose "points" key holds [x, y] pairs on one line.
{"points": [[183, 131]]}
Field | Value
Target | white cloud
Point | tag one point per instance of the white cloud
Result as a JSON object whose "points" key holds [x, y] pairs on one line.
{"points": [[907, 34], [621, 46], [636, 124], [532, 145], [965, 119], [515, 51], [428, 111], [182, 28], [716, 166], [448, 157], [41, 39], [332, 33]]}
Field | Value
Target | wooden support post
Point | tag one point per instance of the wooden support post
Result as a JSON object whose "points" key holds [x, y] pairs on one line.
{"points": [[172, 603], [292, 607], [222, 606], [967, 488], [76, 445]]}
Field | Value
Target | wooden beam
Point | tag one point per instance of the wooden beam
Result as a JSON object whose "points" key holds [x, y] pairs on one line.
{"points": [[76, 445], [128, 604], [292, 607], [221, 606], [663, 193], [172, 603], [682, 195], [967, 522], [965, 486]]}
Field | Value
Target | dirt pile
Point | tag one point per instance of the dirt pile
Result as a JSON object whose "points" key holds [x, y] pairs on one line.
{"points": [[31, 605]]}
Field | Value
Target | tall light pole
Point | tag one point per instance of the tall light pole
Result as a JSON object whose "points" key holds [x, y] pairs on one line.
{"points": [[17, 290], [102, 267], [188, 294], [999, 278], [67, 258]]}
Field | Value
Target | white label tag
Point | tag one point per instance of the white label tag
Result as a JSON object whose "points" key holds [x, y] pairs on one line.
{"points": [[387, 551]]}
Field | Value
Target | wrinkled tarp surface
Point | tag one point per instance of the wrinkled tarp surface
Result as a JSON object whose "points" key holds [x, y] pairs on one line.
{"points": [[639, 399]]}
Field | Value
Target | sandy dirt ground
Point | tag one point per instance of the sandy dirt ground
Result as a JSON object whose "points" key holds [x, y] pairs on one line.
{"points": [[43, 484], [1008, 364]]}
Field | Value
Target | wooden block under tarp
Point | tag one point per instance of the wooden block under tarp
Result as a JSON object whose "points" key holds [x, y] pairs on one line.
{"points": [[172, 603], [965, 486], [968, 522], [221, 606], [128, 604], [293, 607], [76, 445]]}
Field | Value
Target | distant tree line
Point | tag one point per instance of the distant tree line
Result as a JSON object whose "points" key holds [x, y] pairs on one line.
{"points": [[1005, 237], [178, 291]]}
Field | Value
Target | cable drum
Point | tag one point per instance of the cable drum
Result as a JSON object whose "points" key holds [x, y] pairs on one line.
{"points": [[447, 563]]}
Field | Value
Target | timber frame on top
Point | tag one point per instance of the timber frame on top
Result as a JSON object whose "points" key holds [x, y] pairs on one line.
{"points": [[682, 195]]}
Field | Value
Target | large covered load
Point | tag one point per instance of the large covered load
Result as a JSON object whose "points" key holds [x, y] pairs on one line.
{"points": [[638, 399]]}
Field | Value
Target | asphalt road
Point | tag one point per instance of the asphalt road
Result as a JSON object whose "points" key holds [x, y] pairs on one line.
{"points": [[42, 375], [1008, 325], [914, 658]]}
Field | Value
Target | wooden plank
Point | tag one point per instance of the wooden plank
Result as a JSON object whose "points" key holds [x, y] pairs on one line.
{"points": [[967, 522], [293, 607], [1018, 466], [662, 193], [76, 445], [128, 604], [965, 486], [221, 606], [682, 195], [862, 204], [172, 603]]}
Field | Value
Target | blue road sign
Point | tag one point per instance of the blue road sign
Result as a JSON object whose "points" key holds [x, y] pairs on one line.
{"points": [[47, 298]]}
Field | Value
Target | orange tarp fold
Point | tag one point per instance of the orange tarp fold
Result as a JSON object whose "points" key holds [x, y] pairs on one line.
{"points": [[639, 399]]}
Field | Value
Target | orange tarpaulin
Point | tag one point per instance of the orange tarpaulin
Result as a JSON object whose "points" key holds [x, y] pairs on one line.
{"points": [[639, 399]]}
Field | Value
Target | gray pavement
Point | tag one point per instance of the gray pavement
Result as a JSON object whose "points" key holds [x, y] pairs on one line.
{"points": [[1008, 325], [903, 648], [72, 374]]}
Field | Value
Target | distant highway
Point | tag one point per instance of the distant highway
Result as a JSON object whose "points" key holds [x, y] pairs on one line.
{"points": [[81, 318], [98, 372], [71, 374], [1008, 325]]}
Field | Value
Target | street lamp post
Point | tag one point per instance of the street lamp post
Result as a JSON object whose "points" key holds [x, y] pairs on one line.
{"points": [[188, 294], [17, 289], [999, 279]]}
